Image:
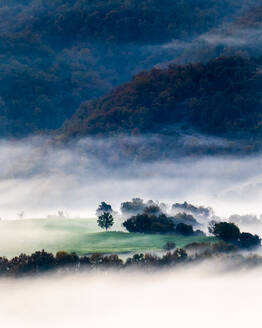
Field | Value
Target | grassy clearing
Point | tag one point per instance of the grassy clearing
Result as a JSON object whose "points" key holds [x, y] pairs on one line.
{"points": [[80, 236]]}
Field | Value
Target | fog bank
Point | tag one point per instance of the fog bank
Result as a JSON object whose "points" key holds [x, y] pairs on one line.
{"points": [[184, 298], [40, 178]]}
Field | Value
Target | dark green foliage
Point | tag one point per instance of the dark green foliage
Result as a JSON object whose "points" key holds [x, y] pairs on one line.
{"points": [[184, 229], [144, 223], [247, 240], [105, 220], [104, 207], [228, 232]]}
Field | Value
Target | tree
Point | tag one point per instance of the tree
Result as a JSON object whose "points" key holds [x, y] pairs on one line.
{"points": [[247, 240], [104, 208], [184, 229], [105, 220], [225, 231], [144, 223], [133, 207], [185, 218]]}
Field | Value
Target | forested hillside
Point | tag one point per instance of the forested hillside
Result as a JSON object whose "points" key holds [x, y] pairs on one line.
{"points": [[222, 97], [57, 54]]}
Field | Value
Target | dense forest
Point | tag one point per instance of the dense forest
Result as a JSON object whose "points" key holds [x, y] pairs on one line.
{"points": [[57, 54], [221, 97]]}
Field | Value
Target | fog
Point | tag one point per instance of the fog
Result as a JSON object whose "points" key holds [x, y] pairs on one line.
{"points": [[192, 297], [40, 178], [226, 40]]}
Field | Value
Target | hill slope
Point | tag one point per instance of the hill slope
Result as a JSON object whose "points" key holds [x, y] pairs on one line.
{"points": [[55, 54], [222, 97], [80, 236]]}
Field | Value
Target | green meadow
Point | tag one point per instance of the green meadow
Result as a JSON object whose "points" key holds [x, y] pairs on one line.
{"points": [[81, 236]]}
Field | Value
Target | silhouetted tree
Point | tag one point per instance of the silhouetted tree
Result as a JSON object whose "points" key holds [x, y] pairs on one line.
{"points": [[105, 220], [145, 223], [225, 231], [247, 240], [104, 208]]}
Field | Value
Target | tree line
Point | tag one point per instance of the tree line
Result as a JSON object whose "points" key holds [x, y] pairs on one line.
{"points": [[42, 262]]}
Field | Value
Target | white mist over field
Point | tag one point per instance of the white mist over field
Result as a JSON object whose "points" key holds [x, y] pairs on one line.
{"points": [[39, 178], [184, 298]]}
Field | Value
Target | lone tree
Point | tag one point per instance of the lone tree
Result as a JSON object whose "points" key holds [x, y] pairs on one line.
{"points": [[104, 207], [105, 220]]}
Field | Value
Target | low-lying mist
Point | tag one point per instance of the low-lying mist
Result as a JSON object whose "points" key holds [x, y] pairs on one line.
{"points": [[187, 297], [40, 178]]}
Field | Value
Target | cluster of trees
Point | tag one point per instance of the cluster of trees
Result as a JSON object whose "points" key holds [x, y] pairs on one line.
{"points": [[202, 211], [150, 217], [230, 233], [42, 262], [150, 223], [221, 97], [144, 223], [57, 54], [180, 212]]}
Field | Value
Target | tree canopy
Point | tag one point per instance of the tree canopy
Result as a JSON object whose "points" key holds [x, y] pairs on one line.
{"points": [[221, 97], [105, 220], [57, 54]]}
